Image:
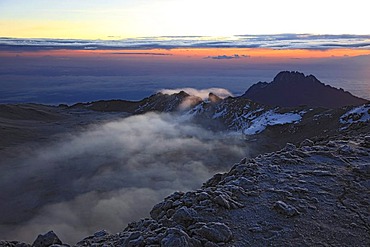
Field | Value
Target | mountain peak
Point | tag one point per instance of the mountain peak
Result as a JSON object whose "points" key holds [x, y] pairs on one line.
{"points": [[294, 77], [213, 98], [293, 88]]}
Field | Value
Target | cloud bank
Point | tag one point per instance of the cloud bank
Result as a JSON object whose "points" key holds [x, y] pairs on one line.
{"points": [[201, 93], [108, 176], [235, 56], [275, 41]]}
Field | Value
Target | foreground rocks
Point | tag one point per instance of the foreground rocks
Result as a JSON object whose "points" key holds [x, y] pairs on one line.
{"points": [[311, 195], [42, 240], [314, 194]]}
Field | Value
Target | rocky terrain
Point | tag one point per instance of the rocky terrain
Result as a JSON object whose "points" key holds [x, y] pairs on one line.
{"points": [[305, 182], [311, 195], [291, 89], [267, 126], [314, 194]]}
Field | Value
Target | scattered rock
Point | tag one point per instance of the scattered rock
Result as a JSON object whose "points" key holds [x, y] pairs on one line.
{"points": [[157, 211], [285, 209], [213, 181], [346, 150], [366, 142], [221, 200], [101, 233], [233, 209], [184, 216], [134, 240], [289, 147], [243, 161], [176, 238], [46, 240], [13, 244], [307, 143], [215, 232]]}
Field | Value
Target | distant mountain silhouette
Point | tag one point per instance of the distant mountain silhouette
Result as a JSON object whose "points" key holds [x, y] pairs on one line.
{"points": [[158, 102], [290, 89]]}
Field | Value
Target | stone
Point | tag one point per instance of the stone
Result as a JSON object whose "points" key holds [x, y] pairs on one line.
{"points": [[285, 209], [215, 232], [176, 238], [185, 216], [134, 240], [13, 244], [214, 180], [289, 147], [346, 150], [202, 196], [243, 161], [157, 211], [46, 240], [307, 143], [101, 233], [210, 244], [221, 200]]}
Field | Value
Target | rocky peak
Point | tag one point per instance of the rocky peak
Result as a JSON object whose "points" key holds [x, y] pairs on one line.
{"points": [[294, 77], [214, 98], [292, 89]]}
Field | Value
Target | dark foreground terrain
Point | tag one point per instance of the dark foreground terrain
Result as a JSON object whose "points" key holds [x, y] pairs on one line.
{"points": [[312, 195], [305, 182], [315, 194]]}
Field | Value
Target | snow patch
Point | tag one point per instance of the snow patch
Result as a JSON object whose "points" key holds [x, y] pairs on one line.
{"points": [[220, 114], [270, 118], [358, 114]]}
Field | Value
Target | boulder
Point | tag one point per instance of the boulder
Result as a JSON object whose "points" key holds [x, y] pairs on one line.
{"points": [[46, 240], [215, 232], [185, 216]]}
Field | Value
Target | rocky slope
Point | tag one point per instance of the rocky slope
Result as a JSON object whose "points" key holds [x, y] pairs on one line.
{"points": [[158, 102], [312, 191], [291, 89], [288, 89], [314, 194]]}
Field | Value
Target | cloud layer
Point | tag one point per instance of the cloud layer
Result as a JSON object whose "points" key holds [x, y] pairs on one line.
{"points": [[108, 176], [201, 93], [235, 56], [276, 41]]}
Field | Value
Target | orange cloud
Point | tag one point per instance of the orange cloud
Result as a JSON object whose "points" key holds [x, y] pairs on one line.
{"points": [[253, 54]]}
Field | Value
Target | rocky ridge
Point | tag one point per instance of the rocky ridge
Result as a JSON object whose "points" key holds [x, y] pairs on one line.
{"points": [[292, 89], [307, 195], [158, 102], [316, 193], [312, 192]]}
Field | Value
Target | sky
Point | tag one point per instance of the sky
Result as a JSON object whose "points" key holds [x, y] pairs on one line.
{"points": [[54, 51], [117, 19]]}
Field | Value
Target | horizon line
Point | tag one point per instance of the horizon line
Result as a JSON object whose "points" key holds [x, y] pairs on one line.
{"points": [[272, 41]]}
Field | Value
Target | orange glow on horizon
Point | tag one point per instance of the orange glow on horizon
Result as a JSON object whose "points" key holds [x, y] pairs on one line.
{"points": [[196, 53]]}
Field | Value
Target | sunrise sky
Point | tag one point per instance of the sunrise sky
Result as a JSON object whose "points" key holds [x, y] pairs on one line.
{"points": [[97, 19], [140, 46]]}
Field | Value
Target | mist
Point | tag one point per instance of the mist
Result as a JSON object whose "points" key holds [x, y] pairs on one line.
{"points": [[201, 93], [108, 175]]}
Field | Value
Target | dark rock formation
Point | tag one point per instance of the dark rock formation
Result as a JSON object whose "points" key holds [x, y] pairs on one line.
{"points": [[313, 191], [158, 102], [214, 98], [298, 196], [306, 195], [291, 89], [47, 239]]}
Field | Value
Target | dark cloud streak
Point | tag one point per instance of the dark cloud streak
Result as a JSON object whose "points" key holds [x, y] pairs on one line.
{"points": [[277, 41], [221, 57]]}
